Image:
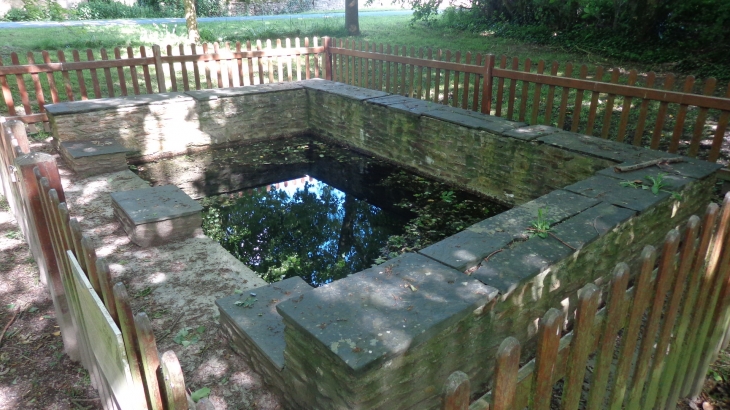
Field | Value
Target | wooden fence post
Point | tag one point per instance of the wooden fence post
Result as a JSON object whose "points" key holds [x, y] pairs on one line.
{"points": [[327, 58], [457, 391], [156, 53], [488, 83], [38, 235]]}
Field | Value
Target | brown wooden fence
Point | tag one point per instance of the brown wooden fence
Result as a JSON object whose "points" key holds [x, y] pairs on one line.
{"points": [[643, 109], [626, 106], [150, 70], [648, 346], [97, 325]]}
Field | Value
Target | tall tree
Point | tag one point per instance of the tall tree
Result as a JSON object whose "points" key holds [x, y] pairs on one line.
{"points": [[191, 20], [352, 21]]}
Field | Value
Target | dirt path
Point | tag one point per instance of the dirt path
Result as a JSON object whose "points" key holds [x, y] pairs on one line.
{"points": [[34, 371]]}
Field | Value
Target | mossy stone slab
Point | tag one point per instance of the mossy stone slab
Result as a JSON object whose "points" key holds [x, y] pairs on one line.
{"points": [[531, 132], [343, 90], [507, 269], [601, 148], [610, 190], [689, 167], [257, 318], [383, 311], [467, 248], [587, 226], [208, 95], [471, 119], [155, 204], [670, 181], [82, 149], [406, 104], [78, 107]]}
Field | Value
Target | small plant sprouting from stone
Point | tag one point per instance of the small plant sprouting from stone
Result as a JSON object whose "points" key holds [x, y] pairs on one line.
{"points": [[656, 184], [247, 303], [541, 225]]}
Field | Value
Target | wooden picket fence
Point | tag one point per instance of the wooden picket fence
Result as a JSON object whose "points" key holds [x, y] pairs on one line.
{"points": [[94, 315], [623, 107], [151, 70], [648, 346], [691, 119]]}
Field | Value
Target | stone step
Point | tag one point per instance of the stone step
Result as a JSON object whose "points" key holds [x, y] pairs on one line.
{"points": [[255, 329], [157, 215], [94, 157]]}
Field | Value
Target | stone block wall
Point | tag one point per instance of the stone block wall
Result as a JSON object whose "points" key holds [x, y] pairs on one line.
{"points": [[388, 337], [163, 125]]}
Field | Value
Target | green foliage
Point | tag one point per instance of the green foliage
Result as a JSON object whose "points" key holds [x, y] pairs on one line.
{"points": [[200, 393], [37, 10], [685, 35], [541, 226], [187, 336], [656, 185]]}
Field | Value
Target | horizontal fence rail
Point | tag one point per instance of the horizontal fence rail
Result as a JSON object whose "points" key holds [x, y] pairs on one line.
{"points": [[648, 346], [644, 109]]}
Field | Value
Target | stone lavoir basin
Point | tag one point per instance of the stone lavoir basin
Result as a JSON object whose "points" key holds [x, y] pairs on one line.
{"points": [[389, 336]]}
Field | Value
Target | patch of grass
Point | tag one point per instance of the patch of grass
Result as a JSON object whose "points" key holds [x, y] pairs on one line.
{"points": [[14, 235], [4, 205], [540, 227]]}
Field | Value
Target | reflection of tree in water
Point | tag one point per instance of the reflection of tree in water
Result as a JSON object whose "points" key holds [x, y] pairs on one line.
{"points": [[318, 232]]}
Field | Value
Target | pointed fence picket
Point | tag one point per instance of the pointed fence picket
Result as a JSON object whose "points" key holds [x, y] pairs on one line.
{"points": [[649, 345]]}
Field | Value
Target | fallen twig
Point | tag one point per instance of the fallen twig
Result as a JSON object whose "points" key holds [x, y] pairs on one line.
{"points": [[492, 254], [561, 241], [169, 328], [641, 165], [5, 329]]}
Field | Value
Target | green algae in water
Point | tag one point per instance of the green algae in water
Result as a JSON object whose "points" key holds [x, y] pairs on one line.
{"points": [[343, 213]]}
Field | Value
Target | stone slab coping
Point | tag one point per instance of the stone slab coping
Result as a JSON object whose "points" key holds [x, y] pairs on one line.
{"points": [[257, 316], [147, 205], [82, 149], [385, 310], [589, 225], [454, 115], [343, 90], [468, 247], [531, 132], [610, 190], [689, 167], [208, 95], [78, 107], [601, 148]]}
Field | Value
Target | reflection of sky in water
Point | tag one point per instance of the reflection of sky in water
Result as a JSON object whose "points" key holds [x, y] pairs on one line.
{"points": [[304, 227]]}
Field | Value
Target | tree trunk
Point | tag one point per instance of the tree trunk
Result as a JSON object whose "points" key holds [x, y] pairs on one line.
{"points": [[352, 23], [191, 20]]}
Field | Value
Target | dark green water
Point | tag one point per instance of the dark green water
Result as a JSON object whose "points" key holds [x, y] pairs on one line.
{"points": [[336, 213]]}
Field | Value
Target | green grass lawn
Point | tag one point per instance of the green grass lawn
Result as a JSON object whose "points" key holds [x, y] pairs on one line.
{"points": [[394, 30]]}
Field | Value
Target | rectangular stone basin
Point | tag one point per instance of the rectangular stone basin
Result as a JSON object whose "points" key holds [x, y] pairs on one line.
{"points": [[388, 337]]}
